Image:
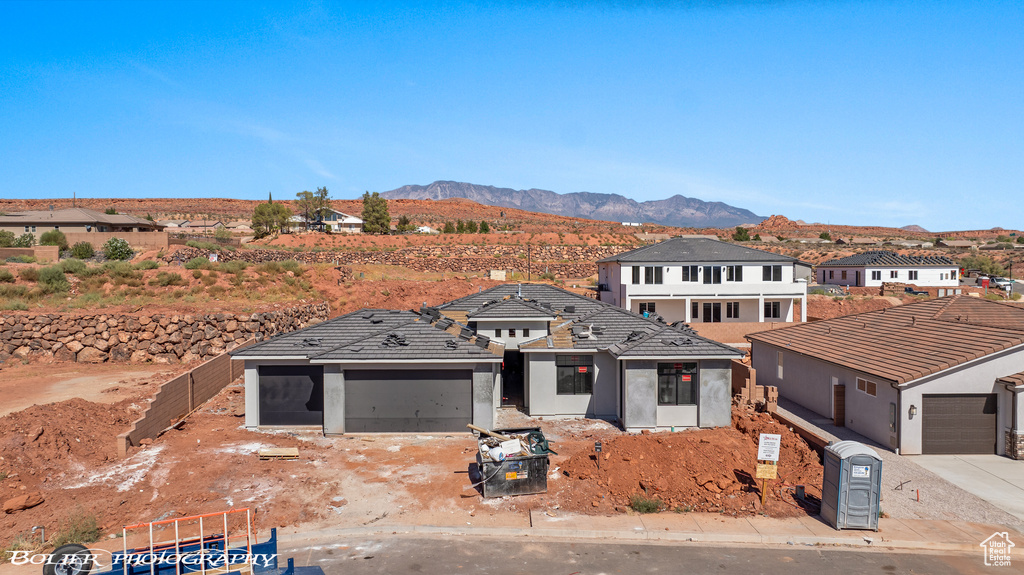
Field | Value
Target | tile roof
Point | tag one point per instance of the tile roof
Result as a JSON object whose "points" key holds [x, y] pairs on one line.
{"points": [[1016, 379], [890, 259], [684, 250], [560, 300], [316, 339], [413, 340], [906, 342], [74, 216], [512, 307]]}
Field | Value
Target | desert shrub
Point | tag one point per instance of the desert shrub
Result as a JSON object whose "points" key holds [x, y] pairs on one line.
{"points": [[9, 291], [72, 266], [82, 251], [6, 239], [6, 277], [14, 305], [198, 263], [54, 238], [641, 503], [52, 277], [269, 268], [165, 279], [209, 280], [222, 234], [197, 273], [29, 274], [233, 267], [22, 259], [79, 527], [117, 249], [24, 241], [216, 291], [292, 266], [121, 270], [147, 265]]}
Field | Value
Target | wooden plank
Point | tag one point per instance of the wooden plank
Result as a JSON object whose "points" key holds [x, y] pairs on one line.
{"points": [[279, 453]]}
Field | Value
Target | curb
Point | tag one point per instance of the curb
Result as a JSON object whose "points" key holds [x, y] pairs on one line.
{"points": [[633, 535]]}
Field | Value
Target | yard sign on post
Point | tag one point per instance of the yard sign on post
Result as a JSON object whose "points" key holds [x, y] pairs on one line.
{"points": [[768, 446]]}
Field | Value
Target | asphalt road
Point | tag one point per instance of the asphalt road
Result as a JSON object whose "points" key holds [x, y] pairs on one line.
{"points": [[416, 554]]}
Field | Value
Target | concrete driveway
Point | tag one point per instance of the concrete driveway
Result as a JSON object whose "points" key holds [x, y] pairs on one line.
{"points": [[994, 478]]}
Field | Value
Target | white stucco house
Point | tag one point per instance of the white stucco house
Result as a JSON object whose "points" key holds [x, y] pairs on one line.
{"points": [[694, 279], [872, 269], [333, 221], [942, 376]]}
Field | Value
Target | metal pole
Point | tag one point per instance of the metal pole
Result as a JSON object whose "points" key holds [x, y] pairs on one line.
{"points": [[226, 558], [152, 560], [202, 548], [124, 539], [177, 550]]}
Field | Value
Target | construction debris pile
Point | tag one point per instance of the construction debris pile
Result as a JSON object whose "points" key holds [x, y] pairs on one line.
{"points": [[698, 470]]}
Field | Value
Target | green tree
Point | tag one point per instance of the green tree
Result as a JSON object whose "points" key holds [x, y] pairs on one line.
{"points": [[757, 237], [24, 241], [471, 227], [54, 238], [376, 219], [222, 235], [270, 217], [110, 211], [6, 239], [150, 218], [314, 206], [741, 234], [984, 264], [485, 228], [460, 227], [1020, 239], [825, 236], [449, 228], [404, 225]]}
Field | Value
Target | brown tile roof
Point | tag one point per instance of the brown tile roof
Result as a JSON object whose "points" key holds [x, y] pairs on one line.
{"points": [[1016, 379], [74, 216], [906, 342]]}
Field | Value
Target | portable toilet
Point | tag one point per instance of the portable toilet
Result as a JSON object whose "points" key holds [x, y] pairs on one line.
{"points": [[852, 486]]}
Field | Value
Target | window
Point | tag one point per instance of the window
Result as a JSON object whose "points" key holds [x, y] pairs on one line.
{"points": [[56, 227], [843, 274], [771, 273], [694, 311], [690, 273], [636, 275], [876, 275], [778, 365], [831, 274], [893, 274], [712, 274], [892, 418], [952, 275], [647, 307], [866, 386], [511, 332], [772, 310], [574, 374], [733, 273], [912, 275], [497, 333], [677, 383], [526, 332], [652, 274], [712, 312], [732, 309]]}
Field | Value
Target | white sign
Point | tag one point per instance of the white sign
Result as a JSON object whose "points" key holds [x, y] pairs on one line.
{"points": [[862, 471], [768, 447]]}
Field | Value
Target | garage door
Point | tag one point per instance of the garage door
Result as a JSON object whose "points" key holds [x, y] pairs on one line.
{"points": [[959, 423], [291, 395], [393, 401]]}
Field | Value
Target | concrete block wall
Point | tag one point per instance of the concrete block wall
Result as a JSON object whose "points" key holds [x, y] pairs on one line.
{"points": [[137, 240]]}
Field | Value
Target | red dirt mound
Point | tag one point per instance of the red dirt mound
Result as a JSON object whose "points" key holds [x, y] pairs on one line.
{"points": [[698, 470]]}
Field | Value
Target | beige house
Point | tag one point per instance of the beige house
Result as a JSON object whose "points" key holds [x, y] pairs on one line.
{"points": [[73, 220]]}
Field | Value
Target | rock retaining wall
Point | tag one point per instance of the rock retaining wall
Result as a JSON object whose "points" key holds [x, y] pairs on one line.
{"points": [[563, 261], [162, 338]]}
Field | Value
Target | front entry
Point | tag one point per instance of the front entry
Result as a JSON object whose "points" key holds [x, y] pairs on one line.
{"points": [[512, 393]]}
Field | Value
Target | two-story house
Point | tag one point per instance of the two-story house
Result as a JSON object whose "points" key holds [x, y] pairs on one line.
{"points": [[872, 269], [703, 280], [333, 221]]}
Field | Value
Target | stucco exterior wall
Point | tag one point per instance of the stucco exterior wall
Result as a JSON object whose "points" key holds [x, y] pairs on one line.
{"points": [[640, 383], [544, 400], [926, 276]]}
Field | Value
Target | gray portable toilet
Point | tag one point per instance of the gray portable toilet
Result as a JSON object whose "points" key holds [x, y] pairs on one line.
{"points": [[852, 486]]}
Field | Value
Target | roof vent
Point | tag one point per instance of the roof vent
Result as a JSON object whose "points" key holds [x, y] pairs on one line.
{"points": [[394, 340], [376, 320], [597, 330], [367, 315], [451, 344]]}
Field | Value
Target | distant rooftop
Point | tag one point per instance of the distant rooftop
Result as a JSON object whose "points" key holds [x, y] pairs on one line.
{"points": [[890, 259], [696, 249]]}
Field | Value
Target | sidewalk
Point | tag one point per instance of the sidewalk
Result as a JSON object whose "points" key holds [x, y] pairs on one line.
{"points": [[902, 534]]}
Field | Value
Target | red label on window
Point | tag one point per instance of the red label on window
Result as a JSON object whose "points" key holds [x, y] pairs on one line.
{"points": [[583, 369], [686, 378]]}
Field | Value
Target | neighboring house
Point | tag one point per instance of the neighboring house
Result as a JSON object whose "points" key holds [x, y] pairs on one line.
{"points": [[703, 280], [173, 223], [872, 269], [552, 352], [73, 220], [203, 226], [333, 221], [957, 244], [858, 241], [911, 243], [240, 227], [938, 376], [809, 240]]}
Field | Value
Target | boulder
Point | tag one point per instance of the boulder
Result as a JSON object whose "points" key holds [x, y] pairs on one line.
{"points": [[74, 346], [22, 502], [91, 355]]}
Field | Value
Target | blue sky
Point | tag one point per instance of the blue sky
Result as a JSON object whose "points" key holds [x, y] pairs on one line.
{"points": [[867, 113]]}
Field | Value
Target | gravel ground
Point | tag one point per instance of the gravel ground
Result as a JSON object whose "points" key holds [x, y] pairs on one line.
{"points": [[940, 499]]}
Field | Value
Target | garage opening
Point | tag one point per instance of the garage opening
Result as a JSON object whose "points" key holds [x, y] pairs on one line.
{"points": [[958, 424], [291, 394], [408, 401]]}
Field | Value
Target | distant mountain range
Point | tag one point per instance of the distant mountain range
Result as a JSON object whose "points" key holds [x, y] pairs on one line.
{"points": [[675, 211]]}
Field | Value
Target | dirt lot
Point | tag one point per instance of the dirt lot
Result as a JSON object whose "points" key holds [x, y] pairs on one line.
{"points": [[66, 451]]}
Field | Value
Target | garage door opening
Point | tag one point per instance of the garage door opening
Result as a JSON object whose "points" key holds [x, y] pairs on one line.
{"points": [[408, 401], [291, 394], [959, 424]]}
